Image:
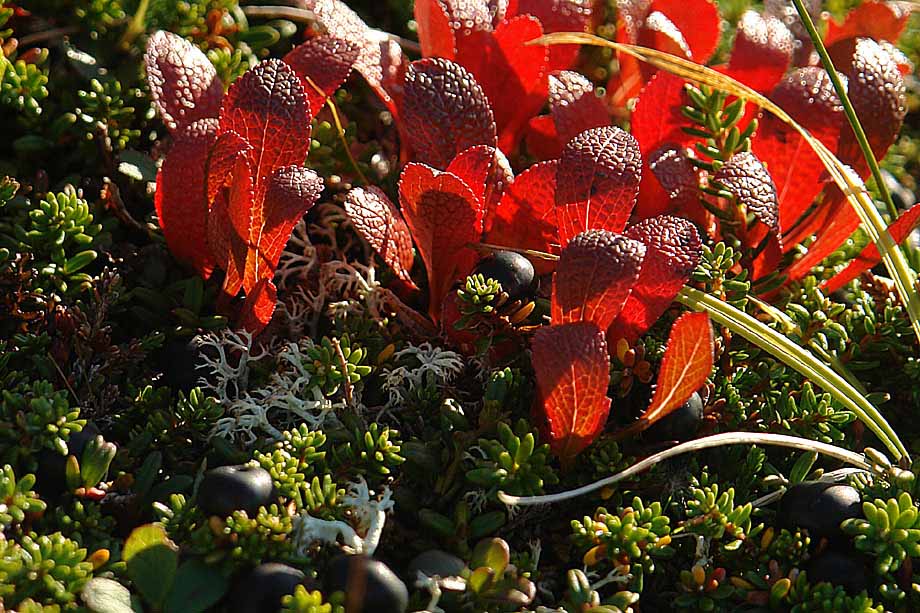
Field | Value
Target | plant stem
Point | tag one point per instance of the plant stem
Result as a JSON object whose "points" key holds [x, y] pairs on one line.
{"points": [[847, 108]]}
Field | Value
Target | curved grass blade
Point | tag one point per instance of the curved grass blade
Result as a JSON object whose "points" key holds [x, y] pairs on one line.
{"points": [[846, 179]]}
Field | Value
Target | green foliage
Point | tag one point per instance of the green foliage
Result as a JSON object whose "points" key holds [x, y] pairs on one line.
{"points": [[17, 500], [34, 417], [107, 112], [823, 597], [334, 361], [514, 462], [715, 275], [374, 453], [85, 523], [890, 530], [177, 426], [23, 84], [245, 541], [809, 415], [492, 578], [49, 569], [294, 459], [478, 296], [628, 539], [303, 601], [716, 516], [581, 598], [715, 120]]}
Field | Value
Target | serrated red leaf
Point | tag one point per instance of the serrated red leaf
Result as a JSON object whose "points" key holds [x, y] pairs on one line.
{"points": [[444, 218], [560, 16], [267, 107], [597, 182], [379, 222], [381, 61], [258, 308], [183, 83], [573, 109], [322, 63], [685, 366], [486, 171], [435, 34], [594, 275], [675, 176], [876, 20], [444, 111], [748, 180], [226, 150], [511, 72], [526, 215], [869, 256], [808, 95], [762, 51], [572, 372], [672, 251], [181, 197], [229, 223], [876, 89], [697, 20]]}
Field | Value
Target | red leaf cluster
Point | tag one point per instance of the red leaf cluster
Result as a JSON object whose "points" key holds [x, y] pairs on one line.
{"points": [[232, 186]]}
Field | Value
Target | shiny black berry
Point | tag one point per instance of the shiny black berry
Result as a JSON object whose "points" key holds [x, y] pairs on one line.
{"points": [[262, 589], [369, 585], [840, 566], [235, 488], [512, 270], [681, 424], [180, 359], [819, 507]]}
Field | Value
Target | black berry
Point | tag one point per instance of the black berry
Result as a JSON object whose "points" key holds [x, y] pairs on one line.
{"points": [[681, 424], [512, 270], [369, 585], [819, 507], [262, 589], [235, 488]]}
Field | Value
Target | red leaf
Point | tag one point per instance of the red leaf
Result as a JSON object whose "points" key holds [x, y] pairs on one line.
{"points": [[381, 61], [378, 222], [686, 365], [560, 16], [229, 223], [258, 308], [876, 20], [595, 273], [486, 171], [181, 197], [542, 141], [526, 215], [808, 95], [574, 106], [869, 257], [512, 74], [292, 191], [676, 174], [444, 218], [876, 89], [227, 149], [672, 252], [659, 32], [267, 107], [762, 51], [746, 177], [435, 35], [323, 62], [572, 372], [656, 121], [597, 182], [842, 221], [183, 82], [697, 20], [444, 111]]}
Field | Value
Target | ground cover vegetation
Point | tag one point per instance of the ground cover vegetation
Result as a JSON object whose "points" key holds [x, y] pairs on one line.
{"points": [[459, 305]]}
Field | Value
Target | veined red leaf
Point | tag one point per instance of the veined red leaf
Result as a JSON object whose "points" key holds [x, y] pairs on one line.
{"points": [[183, 83], [559, 16], [511, 72], [381, 61], [659, 32], [842, 221], [697, 20], [229, 224], [685, 366], [762, 51], [677, 176], [444, 111], [869, 257], [486, 171], [224, 153], [526, 215], [435, 34], [292, 191], [181, 198], [594, 276], [808, 95], [597, 182], [876, 89], [542, 140], [672, 251], [323, 62], [258, 308], [379, 222], [444, 217], [572, 371], [746, 177], [877, 20], [574, 106], [267, 107]]}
